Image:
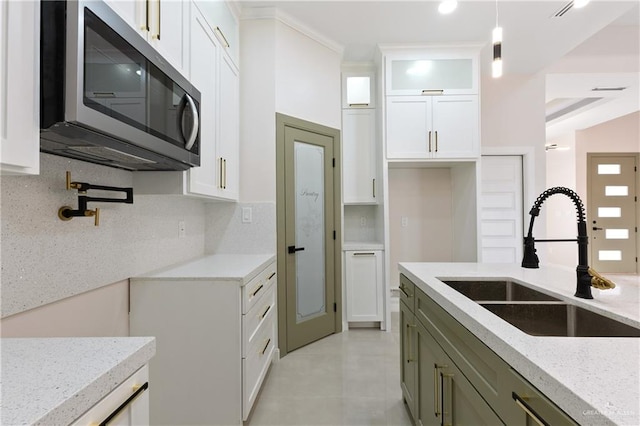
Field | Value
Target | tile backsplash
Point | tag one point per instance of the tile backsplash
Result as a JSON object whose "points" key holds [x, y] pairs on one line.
{"points": [[45, 259]]}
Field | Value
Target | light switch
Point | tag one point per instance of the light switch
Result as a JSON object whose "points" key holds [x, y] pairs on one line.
{"points": [[246, 215]]}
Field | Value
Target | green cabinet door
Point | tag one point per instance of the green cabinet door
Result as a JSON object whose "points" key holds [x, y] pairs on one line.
{"points": [[431, 362], [408, 358], [445, 396]]}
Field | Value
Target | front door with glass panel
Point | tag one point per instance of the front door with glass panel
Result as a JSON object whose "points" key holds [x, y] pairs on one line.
{"points": [[612, 212], [309, 236]]}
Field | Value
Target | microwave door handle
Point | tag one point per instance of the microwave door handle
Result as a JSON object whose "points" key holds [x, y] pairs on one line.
{"points": [[191, 139]]}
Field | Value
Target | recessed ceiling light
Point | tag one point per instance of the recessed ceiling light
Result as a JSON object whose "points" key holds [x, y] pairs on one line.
{"points": [[447, 6], [580, 3]]}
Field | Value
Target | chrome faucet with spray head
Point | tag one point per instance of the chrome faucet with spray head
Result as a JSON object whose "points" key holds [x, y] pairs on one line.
{"points": [[586, 277]]}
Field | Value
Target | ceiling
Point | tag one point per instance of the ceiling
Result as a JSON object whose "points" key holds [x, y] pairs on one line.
{"points": [[570, 49]]}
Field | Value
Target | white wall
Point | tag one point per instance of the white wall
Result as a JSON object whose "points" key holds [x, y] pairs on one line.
{"points": [[560, 210], [424, 197], [45, 259], [287, 69]]}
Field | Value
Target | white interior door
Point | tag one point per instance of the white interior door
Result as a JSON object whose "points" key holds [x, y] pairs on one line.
{"points": [[501, 211]]}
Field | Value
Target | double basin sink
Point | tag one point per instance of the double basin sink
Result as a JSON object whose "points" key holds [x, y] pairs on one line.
{"points": [[537, 313]]}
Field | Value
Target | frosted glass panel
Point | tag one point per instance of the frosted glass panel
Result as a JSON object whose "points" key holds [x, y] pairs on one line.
{"points": [[358, 91], [617, 234], [608, 169], [609, 255], [309, 205], [609, 212], [616, 191], [431, 74]]}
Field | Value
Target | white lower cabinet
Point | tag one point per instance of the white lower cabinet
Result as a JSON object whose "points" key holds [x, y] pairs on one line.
{"points": [[364, 285], [216, 338], [126, 405]]}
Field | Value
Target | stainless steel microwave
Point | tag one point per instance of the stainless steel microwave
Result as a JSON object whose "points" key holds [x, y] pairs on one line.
{"points": [[108, 97]]}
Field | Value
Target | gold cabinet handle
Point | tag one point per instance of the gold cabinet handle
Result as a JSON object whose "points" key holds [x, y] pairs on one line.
{"points": [[220, 173], [155, 35], [437, 388], [221, 37], [258, 288], [409, 359], [264, 314], [138, 389], [265, 346], [528, 409], [433, 92], [404, 290], [225, 173], [436, 141]]}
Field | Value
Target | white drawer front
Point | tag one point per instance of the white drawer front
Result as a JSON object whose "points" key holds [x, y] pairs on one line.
{"points": [[256, 363], [256, 319], [136, 412], [257, 287]]}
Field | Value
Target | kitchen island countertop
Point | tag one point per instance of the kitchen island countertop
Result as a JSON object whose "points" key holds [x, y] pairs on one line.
{"points": [[596, 380], [53, 381]]}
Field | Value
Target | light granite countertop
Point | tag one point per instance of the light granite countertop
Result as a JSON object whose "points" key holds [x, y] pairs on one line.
{"points": [[53, 381], [595, 380], [219, 267]]}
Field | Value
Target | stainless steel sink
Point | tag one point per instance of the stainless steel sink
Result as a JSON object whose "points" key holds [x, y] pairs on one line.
{"points": [[497, 290], [559, 319]]}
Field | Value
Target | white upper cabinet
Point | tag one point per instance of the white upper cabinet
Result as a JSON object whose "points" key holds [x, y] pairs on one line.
{"points": [[358, 90], [20, 87], [359, 156], [161, 22], [423, 127], [432, 72], [432, 108], [214, 74], [224, 24]]}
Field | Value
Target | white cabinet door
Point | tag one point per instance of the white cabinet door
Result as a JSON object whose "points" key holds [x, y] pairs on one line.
{"points": [[161, 22], [427, 127], [224, 24], [20, 87], [359, 156], [364, 285], [203, 56], [126, 405], [228, 147], [408, 126], [446, 71], [455, 123]]}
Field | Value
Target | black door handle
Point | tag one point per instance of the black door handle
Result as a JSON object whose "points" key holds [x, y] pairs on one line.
{"points": [[595, 228], [293, 249]]}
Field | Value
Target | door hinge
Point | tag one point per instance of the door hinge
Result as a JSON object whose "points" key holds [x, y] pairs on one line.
{"points": [[335, 306], [334, 235]]}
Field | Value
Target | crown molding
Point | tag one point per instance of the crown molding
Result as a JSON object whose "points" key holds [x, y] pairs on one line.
{"points": [[274, 13]]}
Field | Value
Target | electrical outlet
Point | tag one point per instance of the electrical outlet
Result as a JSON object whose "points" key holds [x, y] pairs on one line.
{"points": [[363, 221], [404, 221], [246, 215], [182, 229]]}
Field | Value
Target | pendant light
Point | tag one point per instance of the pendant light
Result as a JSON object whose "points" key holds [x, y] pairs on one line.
{"points": [[496, 66]]}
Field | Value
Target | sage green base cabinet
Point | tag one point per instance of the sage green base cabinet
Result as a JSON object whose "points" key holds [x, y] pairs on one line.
{"points": [[449, 377]]}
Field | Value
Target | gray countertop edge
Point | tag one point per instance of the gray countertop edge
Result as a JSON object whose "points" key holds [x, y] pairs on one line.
{"points": [[65, 404]]}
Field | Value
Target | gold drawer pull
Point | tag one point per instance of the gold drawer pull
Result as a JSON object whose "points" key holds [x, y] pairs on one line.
{"points": [[527, 409], [265, 346], [138, 389], [257, 290], [404, 290], [265, 312]]}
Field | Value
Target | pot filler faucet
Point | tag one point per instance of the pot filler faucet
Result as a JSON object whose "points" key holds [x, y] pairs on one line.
{"points": [[586, 277]]}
